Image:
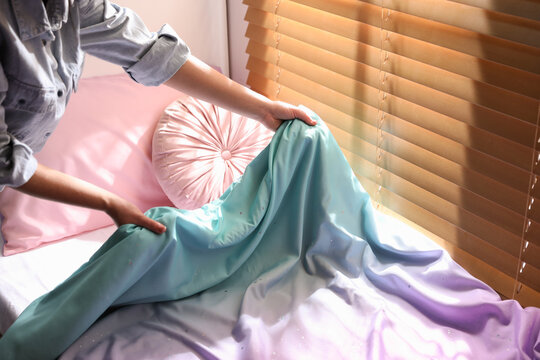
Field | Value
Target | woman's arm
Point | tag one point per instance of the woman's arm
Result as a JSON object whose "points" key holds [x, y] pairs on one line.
{"points": [[197, 79], [53, 185]]}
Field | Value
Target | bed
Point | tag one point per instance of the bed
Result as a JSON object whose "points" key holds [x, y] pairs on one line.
{"points": [[338, 299]]}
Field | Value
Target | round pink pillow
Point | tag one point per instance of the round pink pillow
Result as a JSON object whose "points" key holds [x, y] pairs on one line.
{"points": [[199, 149]]}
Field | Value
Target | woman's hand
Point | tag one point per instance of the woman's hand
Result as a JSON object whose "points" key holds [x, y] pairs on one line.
{"points": [[124, 212], [201, 81], [278, 111]]}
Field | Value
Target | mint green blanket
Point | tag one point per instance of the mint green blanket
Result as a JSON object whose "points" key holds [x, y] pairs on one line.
{"points": [[295, 198]]}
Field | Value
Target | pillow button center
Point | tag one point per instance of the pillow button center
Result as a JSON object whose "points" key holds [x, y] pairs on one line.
{"points": [[226, 155]]}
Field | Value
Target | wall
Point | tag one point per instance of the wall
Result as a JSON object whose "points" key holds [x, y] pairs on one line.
{"points": [[202, 24], [237, 40]]}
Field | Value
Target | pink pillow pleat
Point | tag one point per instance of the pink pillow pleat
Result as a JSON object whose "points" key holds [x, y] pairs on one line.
{"points": [[199, 149]]}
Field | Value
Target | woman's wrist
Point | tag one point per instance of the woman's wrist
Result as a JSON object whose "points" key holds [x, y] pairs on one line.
{"points": [[263, 109], [107, 201], [198, 79]]}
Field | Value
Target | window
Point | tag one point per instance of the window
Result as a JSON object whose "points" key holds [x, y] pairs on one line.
{"points": [[435, 103]]}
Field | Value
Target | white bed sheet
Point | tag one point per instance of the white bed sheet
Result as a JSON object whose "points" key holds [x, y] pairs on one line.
{"points": [[360, 320], [26, 276]]}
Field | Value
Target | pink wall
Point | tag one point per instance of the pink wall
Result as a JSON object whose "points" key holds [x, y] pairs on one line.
{"points": [[237, 40], [202, 24]]}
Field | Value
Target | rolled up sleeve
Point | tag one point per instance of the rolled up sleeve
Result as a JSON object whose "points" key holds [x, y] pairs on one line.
{"points": [[118, 35], [17, 162]]}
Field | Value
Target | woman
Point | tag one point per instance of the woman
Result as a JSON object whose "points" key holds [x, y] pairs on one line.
{"points": [[42, 46]]}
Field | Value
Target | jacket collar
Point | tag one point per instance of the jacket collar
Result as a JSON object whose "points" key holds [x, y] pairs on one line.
{"points": [[34, 20]]}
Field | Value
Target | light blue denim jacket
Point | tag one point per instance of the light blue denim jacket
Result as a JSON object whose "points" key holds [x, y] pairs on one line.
{"points": [[41, 58]]}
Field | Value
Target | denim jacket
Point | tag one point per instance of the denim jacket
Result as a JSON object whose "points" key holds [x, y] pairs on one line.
{"points": [[41, 57]]}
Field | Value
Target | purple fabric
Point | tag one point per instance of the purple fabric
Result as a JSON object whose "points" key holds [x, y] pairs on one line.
{"points": [[385, 311]]}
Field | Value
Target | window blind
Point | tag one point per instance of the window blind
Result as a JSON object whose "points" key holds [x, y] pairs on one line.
{"points": [[436, 106]]}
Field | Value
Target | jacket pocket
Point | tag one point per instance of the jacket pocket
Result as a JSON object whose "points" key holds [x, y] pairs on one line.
{"points": [[21, 96]]}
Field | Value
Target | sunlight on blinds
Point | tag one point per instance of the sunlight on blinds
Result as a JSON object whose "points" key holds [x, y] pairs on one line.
{"points": [[436, 105]]}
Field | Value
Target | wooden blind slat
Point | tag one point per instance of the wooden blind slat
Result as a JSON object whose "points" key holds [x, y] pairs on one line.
{"points": [[530, 276], [432, 160], [451, 37], [489, 121], [443, 210], [529, 9], [513, 153], [504, 237], [502, 283], [476, 247], [366, 39], [479, 20], [501, 171], [531, 255], [501, 51], [452, 194], [455, 235], [467, 200], [475, 92]]}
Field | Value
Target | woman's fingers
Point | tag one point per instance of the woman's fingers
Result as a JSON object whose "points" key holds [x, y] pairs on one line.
{"points": [[152, 225], [124, 212], [283, 111], [302, 115]]}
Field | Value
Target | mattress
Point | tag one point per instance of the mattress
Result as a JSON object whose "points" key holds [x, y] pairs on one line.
{"points": [[343, 319], [28, 275]]}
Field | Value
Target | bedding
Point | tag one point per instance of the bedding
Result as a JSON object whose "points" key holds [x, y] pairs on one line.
{"points": [[104, 138], [28, 275], [288, 264]]}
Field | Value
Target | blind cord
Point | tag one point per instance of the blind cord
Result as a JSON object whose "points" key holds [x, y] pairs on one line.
{"points": [[381, 114], [277, 38], [529, 207]]}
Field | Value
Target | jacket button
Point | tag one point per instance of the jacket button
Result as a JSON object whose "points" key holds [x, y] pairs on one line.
{"points": [[21, 102], [60, 93]]}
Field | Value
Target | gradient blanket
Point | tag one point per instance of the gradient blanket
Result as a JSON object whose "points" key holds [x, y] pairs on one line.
{"points": [[288, 264]]}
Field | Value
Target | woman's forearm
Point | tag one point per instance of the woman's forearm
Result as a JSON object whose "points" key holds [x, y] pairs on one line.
{"points": [[203, 82], [54, 185], [197, 79]]}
